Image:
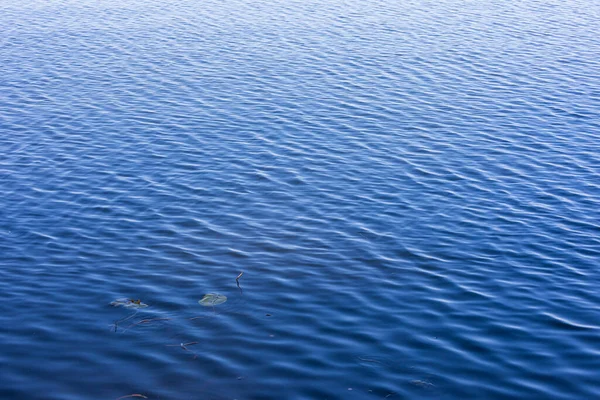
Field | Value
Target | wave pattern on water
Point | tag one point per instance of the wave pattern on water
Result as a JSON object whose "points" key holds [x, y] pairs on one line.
{"points": [[411, 189]]}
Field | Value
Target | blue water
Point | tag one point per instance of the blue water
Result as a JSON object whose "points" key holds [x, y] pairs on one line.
{"points": [[411, 189]]}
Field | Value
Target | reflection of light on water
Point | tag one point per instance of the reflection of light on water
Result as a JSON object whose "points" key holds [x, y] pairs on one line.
{"points": [[372, 360]]}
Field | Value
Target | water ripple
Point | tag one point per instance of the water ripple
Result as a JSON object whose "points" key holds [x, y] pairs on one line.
{"points": [[410, 189]]}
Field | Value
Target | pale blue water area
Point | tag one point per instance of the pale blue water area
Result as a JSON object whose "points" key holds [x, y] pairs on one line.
{"points": [[411, 189]]}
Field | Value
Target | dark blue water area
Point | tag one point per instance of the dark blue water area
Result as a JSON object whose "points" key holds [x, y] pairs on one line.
{"points": [[410, 188]]}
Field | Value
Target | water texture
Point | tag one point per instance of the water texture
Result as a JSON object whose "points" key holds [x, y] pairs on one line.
{"points": [[411, 189]]}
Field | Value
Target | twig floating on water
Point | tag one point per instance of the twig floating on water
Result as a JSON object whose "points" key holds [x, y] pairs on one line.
{"points": [[369, 360], [237, 280], [183, 345], [187, 344], [147, 321], [123, 320]]}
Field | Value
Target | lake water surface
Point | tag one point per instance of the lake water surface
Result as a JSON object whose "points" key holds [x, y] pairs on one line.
{"points": [[411, 189]]}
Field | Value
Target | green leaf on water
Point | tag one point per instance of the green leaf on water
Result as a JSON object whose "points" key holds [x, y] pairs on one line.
{"points": [[212, 299]]}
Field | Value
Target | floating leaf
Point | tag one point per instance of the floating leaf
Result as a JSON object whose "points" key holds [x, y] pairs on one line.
{"points": [[129, 303], [212, 299]]}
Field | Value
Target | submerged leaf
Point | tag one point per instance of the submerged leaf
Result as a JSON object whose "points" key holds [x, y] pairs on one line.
{"points": [[128, 303], [212, 299]]}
